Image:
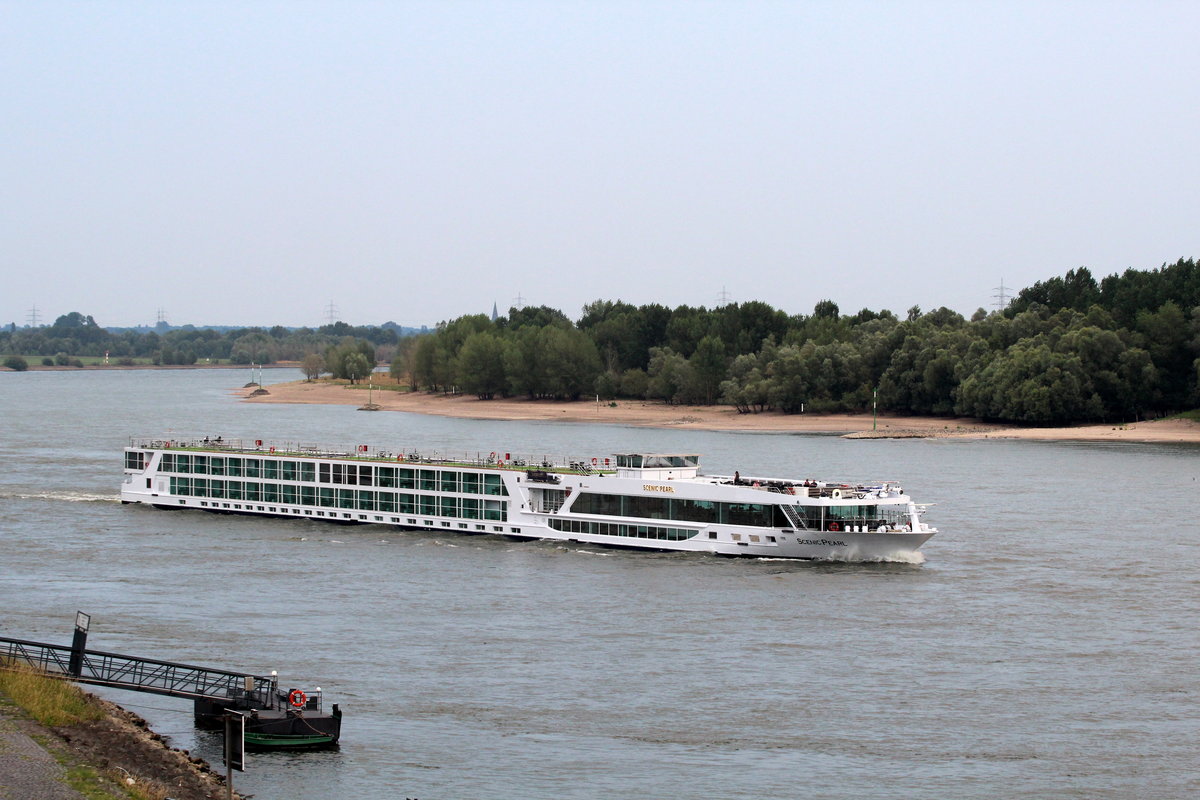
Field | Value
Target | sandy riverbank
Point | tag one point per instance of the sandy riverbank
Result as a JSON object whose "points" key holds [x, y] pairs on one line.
{"points": [[660, 415]]}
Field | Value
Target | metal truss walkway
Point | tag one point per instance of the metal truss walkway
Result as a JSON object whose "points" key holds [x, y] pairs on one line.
{"points": [[139, 674]]}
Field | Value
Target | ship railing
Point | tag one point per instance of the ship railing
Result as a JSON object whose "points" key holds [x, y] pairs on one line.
{"points": [[408, 455]]}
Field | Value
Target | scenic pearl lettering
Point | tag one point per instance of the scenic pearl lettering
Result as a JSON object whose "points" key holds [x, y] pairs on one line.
{"points": [[650, 488]]}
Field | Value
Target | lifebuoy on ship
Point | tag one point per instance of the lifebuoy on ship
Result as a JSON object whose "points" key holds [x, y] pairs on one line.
{"points": [[836, 494], [595, 461], [297, 698], [834, 526]]}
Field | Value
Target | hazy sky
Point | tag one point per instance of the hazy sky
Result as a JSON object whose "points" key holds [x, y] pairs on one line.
{"points": [[251, 163]]}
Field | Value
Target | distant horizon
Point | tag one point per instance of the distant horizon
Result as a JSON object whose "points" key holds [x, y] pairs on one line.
{"points": [[1010, 292]]}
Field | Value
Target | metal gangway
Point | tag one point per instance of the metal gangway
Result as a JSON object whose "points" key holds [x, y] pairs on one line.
{"points": [[140, 674]]}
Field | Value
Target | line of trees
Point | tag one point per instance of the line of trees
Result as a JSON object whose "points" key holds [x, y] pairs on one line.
{"points": [[76, 334], [1067, 349]]}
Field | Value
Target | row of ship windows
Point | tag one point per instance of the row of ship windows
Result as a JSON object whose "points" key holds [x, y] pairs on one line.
{"points": [[618, 529], [308, 512], [429, 480], [326, 497]]}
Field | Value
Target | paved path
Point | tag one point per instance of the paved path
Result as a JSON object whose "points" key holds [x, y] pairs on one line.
{"points": [[27, 771]]}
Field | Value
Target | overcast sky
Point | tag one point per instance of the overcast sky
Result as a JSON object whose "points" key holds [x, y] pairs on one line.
{"points": [[254, 163]]}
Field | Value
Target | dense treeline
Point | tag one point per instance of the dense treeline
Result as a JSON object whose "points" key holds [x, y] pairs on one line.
{"points": [[1066, 349], [75, 334]]}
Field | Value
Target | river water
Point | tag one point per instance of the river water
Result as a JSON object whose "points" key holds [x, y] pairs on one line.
{"points": [[1046, 647]]}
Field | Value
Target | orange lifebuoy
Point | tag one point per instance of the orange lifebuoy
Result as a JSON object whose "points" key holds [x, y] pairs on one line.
{"points": [[595, 461], [833, 526], [493, 455], [297, 698]]}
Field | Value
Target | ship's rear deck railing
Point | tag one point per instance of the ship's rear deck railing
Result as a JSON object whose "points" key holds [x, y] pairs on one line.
{"points": [[493, 459]]}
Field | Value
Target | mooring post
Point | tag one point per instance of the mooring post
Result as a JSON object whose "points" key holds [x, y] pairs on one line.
{"points": [[79, 643]]}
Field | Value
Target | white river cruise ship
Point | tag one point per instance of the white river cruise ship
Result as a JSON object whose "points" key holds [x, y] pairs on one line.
{"points": [[653, 501]]}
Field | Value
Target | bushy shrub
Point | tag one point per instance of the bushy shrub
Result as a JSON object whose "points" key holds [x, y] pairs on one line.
{"points": [[16, 363]]}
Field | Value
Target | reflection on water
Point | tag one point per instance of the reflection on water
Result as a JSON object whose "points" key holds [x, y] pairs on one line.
{"points": [[1044, 649]]}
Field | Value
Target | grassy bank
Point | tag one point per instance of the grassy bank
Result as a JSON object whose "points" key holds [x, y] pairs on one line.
{"points": [[104, 751]]}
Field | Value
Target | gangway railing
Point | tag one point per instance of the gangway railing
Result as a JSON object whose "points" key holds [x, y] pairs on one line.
{"points": [[140, 674], [797, 521]]}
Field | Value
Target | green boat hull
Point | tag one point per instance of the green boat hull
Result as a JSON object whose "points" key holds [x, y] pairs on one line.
{"points": [[286, 741]]}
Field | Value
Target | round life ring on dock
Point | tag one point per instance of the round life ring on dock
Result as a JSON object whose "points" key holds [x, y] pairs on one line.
{"points": [[297, 698], [833, 526]]}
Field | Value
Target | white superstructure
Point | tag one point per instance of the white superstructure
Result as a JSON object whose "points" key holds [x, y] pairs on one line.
{"points": [[656, 501]]}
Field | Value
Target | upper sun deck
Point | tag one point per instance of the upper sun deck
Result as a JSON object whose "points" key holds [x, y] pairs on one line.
{"points": [[220, 446]]}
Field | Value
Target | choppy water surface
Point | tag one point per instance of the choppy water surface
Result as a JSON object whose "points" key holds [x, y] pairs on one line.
{"points": [[1047, 647]]}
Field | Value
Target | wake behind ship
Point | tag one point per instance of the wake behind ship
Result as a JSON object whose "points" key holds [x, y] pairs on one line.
{"points": [[652, 501]]}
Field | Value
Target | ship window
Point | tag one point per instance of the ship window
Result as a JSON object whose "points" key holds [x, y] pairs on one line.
{"points": [[287, 470], [165, 464], [405, 478], [251, 467], [270, 493], [216, 465], [470, 483], [200, 487], [183, 463], [326, 497], [405, 504], [428, 504], [287, 493], [493, 509], [270, 469], [449, 481], [449, 507], [470, 508], [385, 476], [253, 491], [366, 501], [216, 488], [429, 480], [234, 490], [646, 507], [364, 475], [308, 495], [492, 484], [136, 460], [387, 501], [308, 472], [345, 498], [147, 483], [323, 473], [712, 534], [233, 467]]}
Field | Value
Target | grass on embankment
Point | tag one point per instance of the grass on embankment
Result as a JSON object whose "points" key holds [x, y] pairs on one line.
{"points": [[48, 700], [54, 702]]}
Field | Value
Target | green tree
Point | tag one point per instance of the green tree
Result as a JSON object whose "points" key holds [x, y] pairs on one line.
{"points": [[480, 368]]}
